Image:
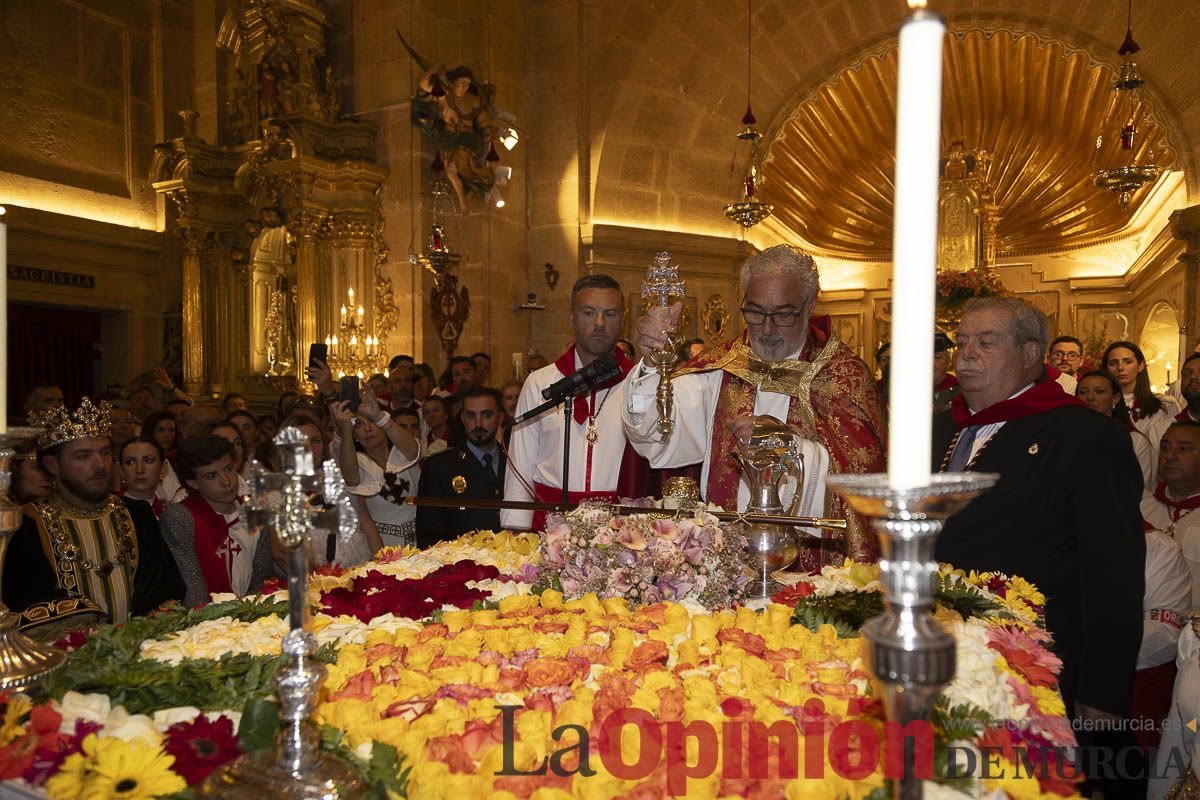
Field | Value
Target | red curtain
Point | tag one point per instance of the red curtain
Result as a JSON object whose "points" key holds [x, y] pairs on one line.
{"points": [[50, 344]]}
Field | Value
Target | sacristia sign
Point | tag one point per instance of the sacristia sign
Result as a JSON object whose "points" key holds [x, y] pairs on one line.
{"points": [[76, 280]]}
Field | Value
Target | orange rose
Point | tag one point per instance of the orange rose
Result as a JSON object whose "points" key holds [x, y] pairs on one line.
{"points": [[750, 642], [434, 631], [510, 680], [550, 627], [543, 672], [648, 654], [670, 704]]}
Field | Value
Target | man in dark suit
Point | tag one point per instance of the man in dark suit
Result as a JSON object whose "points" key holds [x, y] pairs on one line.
{"points": [[1064, 514], [472, 470]]}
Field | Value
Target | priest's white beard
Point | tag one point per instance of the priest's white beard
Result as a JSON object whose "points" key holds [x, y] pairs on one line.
{"points": [[774, 347]]}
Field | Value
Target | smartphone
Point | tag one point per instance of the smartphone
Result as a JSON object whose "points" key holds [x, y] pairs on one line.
{"points": [[318, 351], [348, 391]]}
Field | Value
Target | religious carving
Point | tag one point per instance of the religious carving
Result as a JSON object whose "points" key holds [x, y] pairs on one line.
{"points": [[715, 318], [288, 192], [451, 305], [458, 114]]}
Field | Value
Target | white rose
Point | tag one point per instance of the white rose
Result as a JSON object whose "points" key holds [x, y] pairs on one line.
{"points": [[90, 707], [167, 717], [130, 727]]}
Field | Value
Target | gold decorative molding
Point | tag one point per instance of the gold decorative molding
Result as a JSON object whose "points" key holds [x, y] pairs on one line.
{"points": [[830, 167], [715, 318]]}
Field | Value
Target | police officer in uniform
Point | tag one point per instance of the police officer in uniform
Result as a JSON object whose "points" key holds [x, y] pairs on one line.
{"points": [[473, 470]]}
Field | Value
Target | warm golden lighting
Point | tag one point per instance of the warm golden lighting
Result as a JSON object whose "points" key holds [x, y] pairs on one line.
{"points": [[916, 5]]}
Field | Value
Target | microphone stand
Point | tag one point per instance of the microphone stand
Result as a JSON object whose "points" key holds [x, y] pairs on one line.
{"points": [[568, 402]]}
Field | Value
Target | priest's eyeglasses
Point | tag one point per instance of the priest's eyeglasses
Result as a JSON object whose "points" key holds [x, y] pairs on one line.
{"points": [[782, 319], [1068, 356]]}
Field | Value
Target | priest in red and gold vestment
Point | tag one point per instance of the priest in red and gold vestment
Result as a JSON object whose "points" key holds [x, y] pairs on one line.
{"points": [[788, 365]]}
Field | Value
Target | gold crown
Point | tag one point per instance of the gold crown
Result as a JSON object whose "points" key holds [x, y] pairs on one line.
{"points": [[62, 425]]}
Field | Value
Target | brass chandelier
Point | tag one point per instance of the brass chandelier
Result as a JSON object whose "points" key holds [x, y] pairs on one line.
{"points": [[1125, 175], [748, 209]]}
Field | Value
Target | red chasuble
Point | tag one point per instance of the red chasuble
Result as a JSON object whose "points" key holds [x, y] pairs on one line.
{"points": [[835, 402]]}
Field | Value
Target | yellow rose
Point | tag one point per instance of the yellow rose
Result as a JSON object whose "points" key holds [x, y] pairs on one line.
{"points": [[704, 628], [548, 793], [589, 603], [552, 599], [517, 602]]}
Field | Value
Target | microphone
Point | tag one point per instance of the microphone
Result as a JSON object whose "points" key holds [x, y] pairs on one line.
{"points": [[582, 380]]}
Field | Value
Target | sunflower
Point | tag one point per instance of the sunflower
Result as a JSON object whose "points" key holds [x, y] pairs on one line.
{"points": [[112, 769]]}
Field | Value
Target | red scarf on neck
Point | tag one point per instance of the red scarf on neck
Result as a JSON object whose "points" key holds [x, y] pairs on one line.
{"points": [[948, 382], [1177, 507], [566, 365], [211, 533], [1044, 396]]}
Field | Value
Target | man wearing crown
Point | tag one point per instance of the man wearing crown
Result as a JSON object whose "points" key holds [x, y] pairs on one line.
{"points": [[83, 554], [788, 365]]}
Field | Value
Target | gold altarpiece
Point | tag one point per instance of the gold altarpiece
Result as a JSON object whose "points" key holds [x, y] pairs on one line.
{"points": [[279, 217], [967, 220]]}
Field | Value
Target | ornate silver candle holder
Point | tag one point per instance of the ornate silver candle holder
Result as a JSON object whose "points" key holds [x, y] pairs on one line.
{"points": [[280, 505], [910, 653], [22, 660]]}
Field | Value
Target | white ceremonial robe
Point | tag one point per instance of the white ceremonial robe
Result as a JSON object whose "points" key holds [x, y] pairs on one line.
{"points": [[1185, 531], [1178, 747], [535, 451], [1167, 601], [1145, 456], [1154, 426], [695, 411]]}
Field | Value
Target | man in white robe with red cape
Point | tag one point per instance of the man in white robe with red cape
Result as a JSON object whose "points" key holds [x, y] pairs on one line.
{"points": [[602, 465]]}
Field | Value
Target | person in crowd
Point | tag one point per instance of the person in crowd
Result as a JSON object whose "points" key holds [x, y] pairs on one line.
{"points": [[82, 554], [602, 464], [883, 357], [624, 345], [425, 383], [396, 361], [1081, 544], [1066, 355], [195, 419], [435, 416], [175, 407], [510, 395], [142, 464], [788, 365], [268, 426], [380, 463], [247, 425], [1165, 608], [1170, 506], [945, 384], [1100, 391], [216, 551], [475, 470], [1151, 413], [43, 397], [378, 383], [1189, 388], [690, 349], [400, 389], [143, 402], [326, 546], [233, 402], [30, 481], [483, 368], [462, 374], [536, 361], [160, 426], [124, 425], [409, 421]]}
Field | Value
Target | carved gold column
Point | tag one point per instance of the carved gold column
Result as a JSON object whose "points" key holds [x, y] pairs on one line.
{"points": [[307, 225], [193, 311]]}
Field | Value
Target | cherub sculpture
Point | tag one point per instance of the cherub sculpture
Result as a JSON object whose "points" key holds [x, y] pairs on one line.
{"points": [[457, 112]]}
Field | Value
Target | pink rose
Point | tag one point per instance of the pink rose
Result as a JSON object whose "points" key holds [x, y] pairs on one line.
{"points": [[632, 538]]}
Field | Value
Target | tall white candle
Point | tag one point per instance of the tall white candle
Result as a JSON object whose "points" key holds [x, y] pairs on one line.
{"points": [[914, 250], [3, 323]]}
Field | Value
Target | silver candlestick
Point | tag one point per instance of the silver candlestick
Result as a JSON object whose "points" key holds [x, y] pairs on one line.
{"points": [[910, 653], [22, 660], [280, 505]]}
